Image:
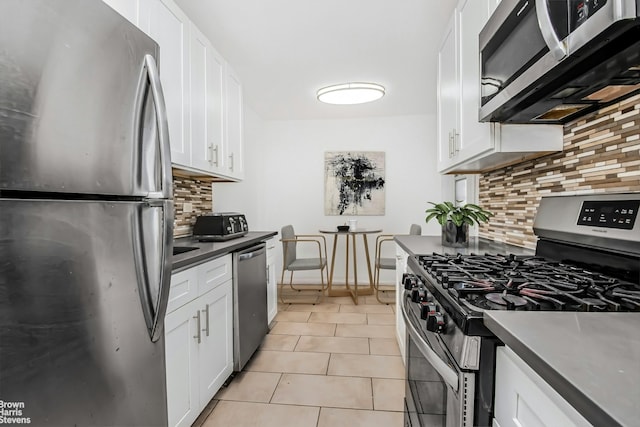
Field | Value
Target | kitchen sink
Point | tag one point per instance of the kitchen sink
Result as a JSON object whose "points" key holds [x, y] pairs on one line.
{"points": [[177, 250]]}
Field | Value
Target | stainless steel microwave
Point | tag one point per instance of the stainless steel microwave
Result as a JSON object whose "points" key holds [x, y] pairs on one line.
{"points": [[550, 61]]}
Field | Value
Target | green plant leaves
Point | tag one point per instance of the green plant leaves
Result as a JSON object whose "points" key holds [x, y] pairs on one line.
{"points": [[467, 214]]}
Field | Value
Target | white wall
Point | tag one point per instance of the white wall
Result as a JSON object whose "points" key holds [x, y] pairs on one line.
{"points": [[284, 181]]}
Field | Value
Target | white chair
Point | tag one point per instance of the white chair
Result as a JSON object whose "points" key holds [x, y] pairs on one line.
{"points": [[291, 262], [387, 263]]}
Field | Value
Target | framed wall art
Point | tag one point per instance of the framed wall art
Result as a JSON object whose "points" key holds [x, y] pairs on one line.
{"points": [[354, 183]]}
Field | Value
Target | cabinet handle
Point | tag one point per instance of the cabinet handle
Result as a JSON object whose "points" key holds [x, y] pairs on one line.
{"points": [[231, 163], [197, 317], [456, 142], [450, 145], [268, 277], [206, 316], [213, 154]]}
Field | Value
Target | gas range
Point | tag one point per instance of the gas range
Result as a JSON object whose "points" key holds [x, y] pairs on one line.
{"points": [[467, 285], [587, 259]]}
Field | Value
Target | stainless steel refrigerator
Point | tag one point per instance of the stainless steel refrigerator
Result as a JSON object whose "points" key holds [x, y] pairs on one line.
{"points": [[86, 217]]}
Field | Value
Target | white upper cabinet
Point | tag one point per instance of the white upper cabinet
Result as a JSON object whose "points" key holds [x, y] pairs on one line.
{"points": [[235, 124], [202, 93], [207, 104], [165, 22], [466, 145]]}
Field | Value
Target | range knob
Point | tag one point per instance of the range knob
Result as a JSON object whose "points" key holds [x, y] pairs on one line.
{"points": [[410, 282], [427, 308], [415, 294], [436, 322]]}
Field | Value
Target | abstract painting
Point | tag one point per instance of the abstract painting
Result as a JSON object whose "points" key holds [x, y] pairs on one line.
{"points": [[354, 183]]}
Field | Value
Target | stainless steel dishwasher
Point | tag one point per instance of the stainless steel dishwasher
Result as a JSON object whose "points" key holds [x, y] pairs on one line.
{"points": [[249, 302]]}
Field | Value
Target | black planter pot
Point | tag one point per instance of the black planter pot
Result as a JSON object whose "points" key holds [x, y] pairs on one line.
{"points": [[455, 236]]}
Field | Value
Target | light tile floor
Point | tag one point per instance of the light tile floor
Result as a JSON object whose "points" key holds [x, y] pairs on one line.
{"points": [[326, 365]]}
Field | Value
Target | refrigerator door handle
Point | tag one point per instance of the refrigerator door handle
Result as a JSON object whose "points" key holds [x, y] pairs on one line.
{"points": [[160, 109], [154, 309]]}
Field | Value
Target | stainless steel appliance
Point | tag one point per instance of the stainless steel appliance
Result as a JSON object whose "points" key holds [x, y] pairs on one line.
{"points": [[86, 216], [249, 302], [550, 61], [587, 259], [220, 226]]}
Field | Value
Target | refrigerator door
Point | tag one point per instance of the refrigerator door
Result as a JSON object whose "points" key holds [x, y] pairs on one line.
{"points": [[75, 346], [80, 102]]}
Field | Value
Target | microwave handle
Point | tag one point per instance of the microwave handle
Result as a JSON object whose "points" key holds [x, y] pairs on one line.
{"points": [[449, 375], [556, 46]]}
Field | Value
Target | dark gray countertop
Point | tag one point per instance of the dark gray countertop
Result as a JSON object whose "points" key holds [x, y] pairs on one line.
{"points": [[426, 245], [210, 250], [591, 359]]}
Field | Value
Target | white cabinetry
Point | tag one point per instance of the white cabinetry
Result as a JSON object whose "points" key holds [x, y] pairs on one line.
{"points": [[272, 284], [401, 268], [523, 398], [165, 22], [235, 124], [465, 144], [202, 93], [207, 104], [198, 338]]}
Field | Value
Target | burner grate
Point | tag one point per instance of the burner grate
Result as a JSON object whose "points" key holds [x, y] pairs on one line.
{"points": [[510, 282]]}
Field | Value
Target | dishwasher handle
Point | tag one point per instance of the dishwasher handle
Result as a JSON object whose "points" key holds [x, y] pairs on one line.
{"points": [[252, 252]]}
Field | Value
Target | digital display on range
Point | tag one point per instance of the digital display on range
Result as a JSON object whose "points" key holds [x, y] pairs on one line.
{"points": [[610, 214]]}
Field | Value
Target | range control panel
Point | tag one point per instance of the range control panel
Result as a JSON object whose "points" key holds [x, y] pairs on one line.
{"points": [[610, 214]]}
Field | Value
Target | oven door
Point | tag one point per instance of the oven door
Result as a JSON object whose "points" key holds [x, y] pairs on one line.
{"points": [[437, 392], [522, 41]]}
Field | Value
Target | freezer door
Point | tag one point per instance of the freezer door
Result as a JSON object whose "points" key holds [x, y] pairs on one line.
{"points": [[81, 110], [75, 345]]}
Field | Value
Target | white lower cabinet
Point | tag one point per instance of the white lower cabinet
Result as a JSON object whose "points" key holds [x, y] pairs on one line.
{"points": [[401, 268], [198, 338], [523, 398], [272, 283]]}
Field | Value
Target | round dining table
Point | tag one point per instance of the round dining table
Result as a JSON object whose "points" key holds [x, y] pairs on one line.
{"points": [[353, 292]]}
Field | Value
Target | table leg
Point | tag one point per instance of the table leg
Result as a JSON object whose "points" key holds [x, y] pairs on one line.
{"points": [[366, 251], [333, 263], [355, 271], [346, 269]]}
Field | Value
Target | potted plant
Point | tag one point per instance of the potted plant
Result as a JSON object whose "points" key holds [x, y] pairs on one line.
{"points": [[455, 221]]}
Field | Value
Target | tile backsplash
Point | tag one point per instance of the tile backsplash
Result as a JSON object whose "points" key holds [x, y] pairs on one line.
{"points": [[601, 154], [197, 193]]}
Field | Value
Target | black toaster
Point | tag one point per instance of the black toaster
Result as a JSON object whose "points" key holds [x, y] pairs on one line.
{"points": [[220, 226]]}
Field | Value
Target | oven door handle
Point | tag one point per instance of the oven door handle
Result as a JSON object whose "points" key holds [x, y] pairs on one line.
{"points": [[449, 375]]}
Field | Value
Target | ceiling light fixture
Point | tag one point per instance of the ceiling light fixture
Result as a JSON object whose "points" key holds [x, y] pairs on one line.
{"points": [[350, 93]]}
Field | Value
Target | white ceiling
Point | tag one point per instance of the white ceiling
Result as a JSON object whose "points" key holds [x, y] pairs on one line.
{"points": [[284, 50]]}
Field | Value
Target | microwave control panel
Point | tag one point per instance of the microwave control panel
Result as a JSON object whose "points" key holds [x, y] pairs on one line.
{"points": [[620, 214], [581, 10]]}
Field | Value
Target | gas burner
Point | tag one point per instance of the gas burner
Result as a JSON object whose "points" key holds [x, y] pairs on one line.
{"points": [[511, 301]]}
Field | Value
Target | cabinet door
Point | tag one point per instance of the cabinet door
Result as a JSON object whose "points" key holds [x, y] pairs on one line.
{"points": [[214, 273], [473, 136], [448, 93], [523, 398], [169, 27], [235, 123], [272, 284], [181, 353], [401, 268], [207, 84], [216, 350], [184, 288]]}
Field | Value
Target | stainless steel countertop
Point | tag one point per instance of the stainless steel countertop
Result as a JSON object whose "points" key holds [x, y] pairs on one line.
{"points": [[591, 359], [209, 250]]}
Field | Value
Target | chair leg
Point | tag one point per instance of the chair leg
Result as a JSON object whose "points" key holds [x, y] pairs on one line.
{"points": [[376, 285]]}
